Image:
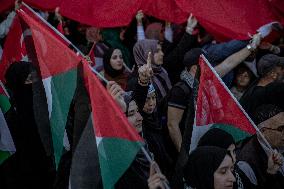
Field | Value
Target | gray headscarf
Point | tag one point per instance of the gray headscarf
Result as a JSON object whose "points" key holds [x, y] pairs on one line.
{"points": [[140, 52]]}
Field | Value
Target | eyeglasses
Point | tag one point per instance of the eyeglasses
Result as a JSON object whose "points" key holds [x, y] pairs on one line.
{"points": [[279, 129]]}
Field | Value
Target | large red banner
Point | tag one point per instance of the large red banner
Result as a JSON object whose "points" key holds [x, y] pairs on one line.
{"points": [[225, 19]]}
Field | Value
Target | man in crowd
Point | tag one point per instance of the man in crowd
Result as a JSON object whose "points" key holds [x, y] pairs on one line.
{"points": [[269, 88], [260, 164]]}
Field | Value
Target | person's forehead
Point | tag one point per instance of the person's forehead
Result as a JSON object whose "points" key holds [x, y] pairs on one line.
{"points": [[244, 73], [151, 95], [116, 51], [227, 162], [274, 122], [232, 147]]}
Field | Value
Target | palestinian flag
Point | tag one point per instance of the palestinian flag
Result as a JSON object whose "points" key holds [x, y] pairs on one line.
{"points": [[7, 147], [91, 54], [57, 67], [85, 169], [4, 99], [217, 107], [14, 47], [117, 141], [17, 41]]}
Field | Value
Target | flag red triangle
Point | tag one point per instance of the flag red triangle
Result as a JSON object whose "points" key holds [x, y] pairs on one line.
{"points": [[14, 47], [215, 103], [50, 50], [109, 120]]}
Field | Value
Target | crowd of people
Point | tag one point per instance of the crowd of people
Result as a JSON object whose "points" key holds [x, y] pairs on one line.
{"points": [[153, 71]]}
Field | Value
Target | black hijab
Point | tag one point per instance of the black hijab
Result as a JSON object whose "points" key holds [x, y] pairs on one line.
{"points": [[202, 163], [216, 137], [16, 76], [30, 156], [107, 67]]}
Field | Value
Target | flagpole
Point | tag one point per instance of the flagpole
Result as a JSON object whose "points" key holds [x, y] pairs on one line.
{"points": [[156, 168], [93, 70], [237, 102], [55, 30], [92, 49], [4, 89], [65, 39], [98, 74]]}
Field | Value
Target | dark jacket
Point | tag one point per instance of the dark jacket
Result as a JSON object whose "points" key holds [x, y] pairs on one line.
{"points": [[258, 95], [153, 132], [252, 153], [173, 59], [182, 91], [29, 167]]}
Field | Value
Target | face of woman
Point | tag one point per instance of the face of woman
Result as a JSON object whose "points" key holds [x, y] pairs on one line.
{"points": [[116, 60], [223, 176], [134, 117], [150, 103], [243, 79], [158, 56]]}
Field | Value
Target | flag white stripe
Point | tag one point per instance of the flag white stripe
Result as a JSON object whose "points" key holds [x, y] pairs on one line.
{"points": [[47, 88], [197, 133]]}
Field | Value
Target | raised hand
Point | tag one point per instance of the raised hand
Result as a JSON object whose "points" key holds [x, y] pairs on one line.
{"points": [[191, 23], [145, 72], [255, 41], [58, 15], [139, 16]]}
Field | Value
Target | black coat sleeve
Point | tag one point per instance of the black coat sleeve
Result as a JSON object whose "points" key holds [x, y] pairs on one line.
{"points": [[173, 61], [140, 95]]}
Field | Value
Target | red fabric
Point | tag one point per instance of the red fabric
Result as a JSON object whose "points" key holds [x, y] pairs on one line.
{"points": [[224, 19], [14, 49], [111, 13], [2, 91], [37, 19], [45, 5], [6, 5], [230, 19], [277, 7], [53, 56], [106, 13], [164, 10], [92, 55], [108, 119], [216, 105], [60, 27]]}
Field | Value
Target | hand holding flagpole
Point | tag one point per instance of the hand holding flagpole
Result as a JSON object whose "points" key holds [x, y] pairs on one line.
{"points": [[145, 74], [95, 71]]}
